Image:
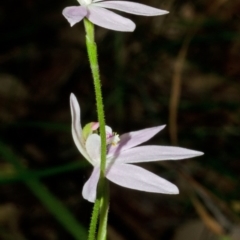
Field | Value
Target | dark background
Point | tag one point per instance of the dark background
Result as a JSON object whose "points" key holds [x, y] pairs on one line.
{"points": [[180, 69]]}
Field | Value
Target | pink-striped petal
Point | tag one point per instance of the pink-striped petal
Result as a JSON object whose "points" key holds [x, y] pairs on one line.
{"points": [[74, 14], [134, 177], [131, 7], [76, 125], [132, 139], [154, 153], [110, 20], [89, 191]]}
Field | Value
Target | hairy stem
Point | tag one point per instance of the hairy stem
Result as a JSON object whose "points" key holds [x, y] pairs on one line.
{"points": [[102, 192]]}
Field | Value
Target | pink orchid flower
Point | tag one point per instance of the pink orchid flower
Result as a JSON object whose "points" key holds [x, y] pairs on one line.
{"points": [[95, 11], [121, 152]]}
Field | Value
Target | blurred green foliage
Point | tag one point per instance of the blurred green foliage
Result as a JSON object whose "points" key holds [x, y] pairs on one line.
{"points": [[43, 60]]}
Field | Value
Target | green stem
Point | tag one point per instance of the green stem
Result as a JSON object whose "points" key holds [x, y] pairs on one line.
{"points": [[92, 54], [104, 206], [94, 220], [102, 192]]}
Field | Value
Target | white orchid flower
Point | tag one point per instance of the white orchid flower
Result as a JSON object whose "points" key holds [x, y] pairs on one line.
{"points": [[95, 11], [121, 152]]}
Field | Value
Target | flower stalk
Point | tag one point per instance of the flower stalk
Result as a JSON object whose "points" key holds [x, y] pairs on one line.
{"points": [[112, 155], [102, 193]]}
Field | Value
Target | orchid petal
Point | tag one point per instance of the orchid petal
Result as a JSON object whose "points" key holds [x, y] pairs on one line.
{"points": [[154, 153], [132, 139], [94, 1], [135, 177], [107, 19], [108, 130], [74, 14], [93, 147], [76, 125], [131, 7], [89, 191]]}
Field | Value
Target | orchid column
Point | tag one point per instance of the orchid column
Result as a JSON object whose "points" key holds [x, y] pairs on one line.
{"points": [[96, 12]]}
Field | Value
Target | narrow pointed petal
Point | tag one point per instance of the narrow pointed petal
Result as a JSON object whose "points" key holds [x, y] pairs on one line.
{"points": [[132, 139], [76, 125], [93, 147], [110, 20], [154, 153], [134, 177], [74, 14], [131, 7], [89, 191]]}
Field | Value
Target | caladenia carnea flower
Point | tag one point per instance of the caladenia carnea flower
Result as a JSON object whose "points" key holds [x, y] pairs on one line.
{"points": [[121, 152], [96, 12]]}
